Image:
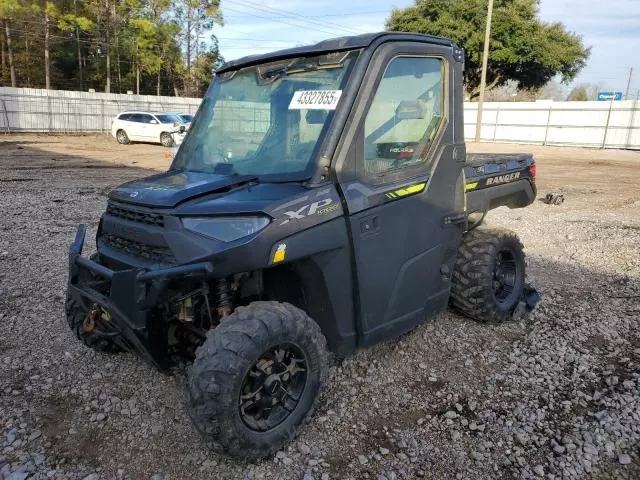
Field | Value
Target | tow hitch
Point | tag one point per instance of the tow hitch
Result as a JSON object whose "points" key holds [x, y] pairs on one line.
{"points": [[89, 324]]}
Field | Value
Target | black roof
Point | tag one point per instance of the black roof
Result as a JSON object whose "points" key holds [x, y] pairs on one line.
{"points": [[334, 44]]}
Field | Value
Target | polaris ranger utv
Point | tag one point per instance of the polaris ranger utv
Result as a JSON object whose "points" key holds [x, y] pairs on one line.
{"points": [[322, 201]]}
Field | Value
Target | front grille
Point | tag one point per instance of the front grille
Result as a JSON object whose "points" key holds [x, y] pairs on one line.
{"points": [[140, 250], [134, 215]]}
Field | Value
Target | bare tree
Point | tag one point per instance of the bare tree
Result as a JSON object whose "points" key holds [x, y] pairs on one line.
{"points": [[584, 92], [47, 60], [552, 91]]}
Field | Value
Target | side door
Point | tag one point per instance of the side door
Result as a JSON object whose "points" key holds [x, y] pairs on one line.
{"points": [[156, 127], [148, 128], [135, 127], [403, 183]]}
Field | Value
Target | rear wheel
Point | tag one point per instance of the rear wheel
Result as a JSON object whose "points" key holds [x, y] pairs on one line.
{"points": [[122, 137], [257, 378], [166, 139], [488, 279]]}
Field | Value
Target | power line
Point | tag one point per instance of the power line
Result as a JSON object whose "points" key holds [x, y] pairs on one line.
{"points": [[365, 12], [347, 13], [293, 15], [102, 43], [70, 38], [113, 46], [307, 27], [251, 39], [98, 40]]}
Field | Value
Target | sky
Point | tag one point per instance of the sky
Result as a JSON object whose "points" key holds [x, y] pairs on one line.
{"points": [[611, 28]]}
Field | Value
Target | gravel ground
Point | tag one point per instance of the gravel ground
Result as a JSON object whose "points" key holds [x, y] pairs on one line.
{"points": [[555, 395]]}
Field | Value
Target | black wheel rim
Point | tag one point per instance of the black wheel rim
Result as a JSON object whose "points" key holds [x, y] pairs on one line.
{"points": [[505, 277], [273, 387]]}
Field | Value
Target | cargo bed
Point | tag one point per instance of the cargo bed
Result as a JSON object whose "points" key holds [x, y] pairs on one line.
{"points": [[496, 180]]}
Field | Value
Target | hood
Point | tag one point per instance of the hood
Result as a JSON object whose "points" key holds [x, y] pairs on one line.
{"points": [[168, 189], [250, 198]]}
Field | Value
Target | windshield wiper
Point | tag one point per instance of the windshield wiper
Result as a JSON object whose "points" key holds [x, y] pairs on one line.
{"points": [[281, 70], [273, 72]]}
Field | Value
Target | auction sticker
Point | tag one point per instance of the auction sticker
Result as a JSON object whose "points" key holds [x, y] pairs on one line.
{"points": [[315, 100]]}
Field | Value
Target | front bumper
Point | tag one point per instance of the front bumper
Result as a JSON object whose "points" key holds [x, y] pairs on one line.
{"points": [[127, 295]]}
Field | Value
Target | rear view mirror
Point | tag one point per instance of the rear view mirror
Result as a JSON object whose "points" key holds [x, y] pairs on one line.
{"points": [[316, 117], [410, 110]]}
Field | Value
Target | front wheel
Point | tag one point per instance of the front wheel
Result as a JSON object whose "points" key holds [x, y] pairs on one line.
{"points": [[256, 379], [488, 278], [166, 139]]}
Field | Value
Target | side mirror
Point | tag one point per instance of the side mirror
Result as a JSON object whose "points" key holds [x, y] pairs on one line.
{"points": [[154, 122], [183, 129]]}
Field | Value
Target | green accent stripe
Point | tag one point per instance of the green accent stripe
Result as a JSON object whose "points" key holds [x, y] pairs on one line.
{"points": [[406, 191]]}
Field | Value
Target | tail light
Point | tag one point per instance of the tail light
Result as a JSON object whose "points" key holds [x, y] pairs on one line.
{"points": [[532, 170]]}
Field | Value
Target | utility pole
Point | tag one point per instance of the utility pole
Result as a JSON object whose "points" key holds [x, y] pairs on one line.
{"points": [[483, 78], [626, 93]]}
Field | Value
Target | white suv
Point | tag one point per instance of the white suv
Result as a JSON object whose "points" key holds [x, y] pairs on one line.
{"points": [[130, 127]]}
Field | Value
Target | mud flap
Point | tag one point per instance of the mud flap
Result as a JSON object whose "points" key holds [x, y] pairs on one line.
{"points": [[528, 301]]}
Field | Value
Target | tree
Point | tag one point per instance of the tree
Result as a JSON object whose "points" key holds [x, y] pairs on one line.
{"points": [[195, 17], [523, 48], [153, 35], [169, 51], [202, 70], [74, 22], [578, 94], [9, 10], [105, 15], [584, 92], [147, 46], [48, 11], [509, 92], [552, 91]]}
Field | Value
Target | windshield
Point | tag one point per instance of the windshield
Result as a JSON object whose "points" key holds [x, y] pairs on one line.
{"points": [[165, 118], [186, 118], [266, 120]]}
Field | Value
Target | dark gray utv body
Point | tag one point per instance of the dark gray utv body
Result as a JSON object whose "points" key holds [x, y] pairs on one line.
{"points": [[363, 235]]}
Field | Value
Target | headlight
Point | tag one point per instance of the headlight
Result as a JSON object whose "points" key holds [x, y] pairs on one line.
{"points": [[226, 229]]}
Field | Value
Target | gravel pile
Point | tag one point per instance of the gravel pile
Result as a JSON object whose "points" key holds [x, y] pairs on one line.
{"points": [[555, 395]]}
